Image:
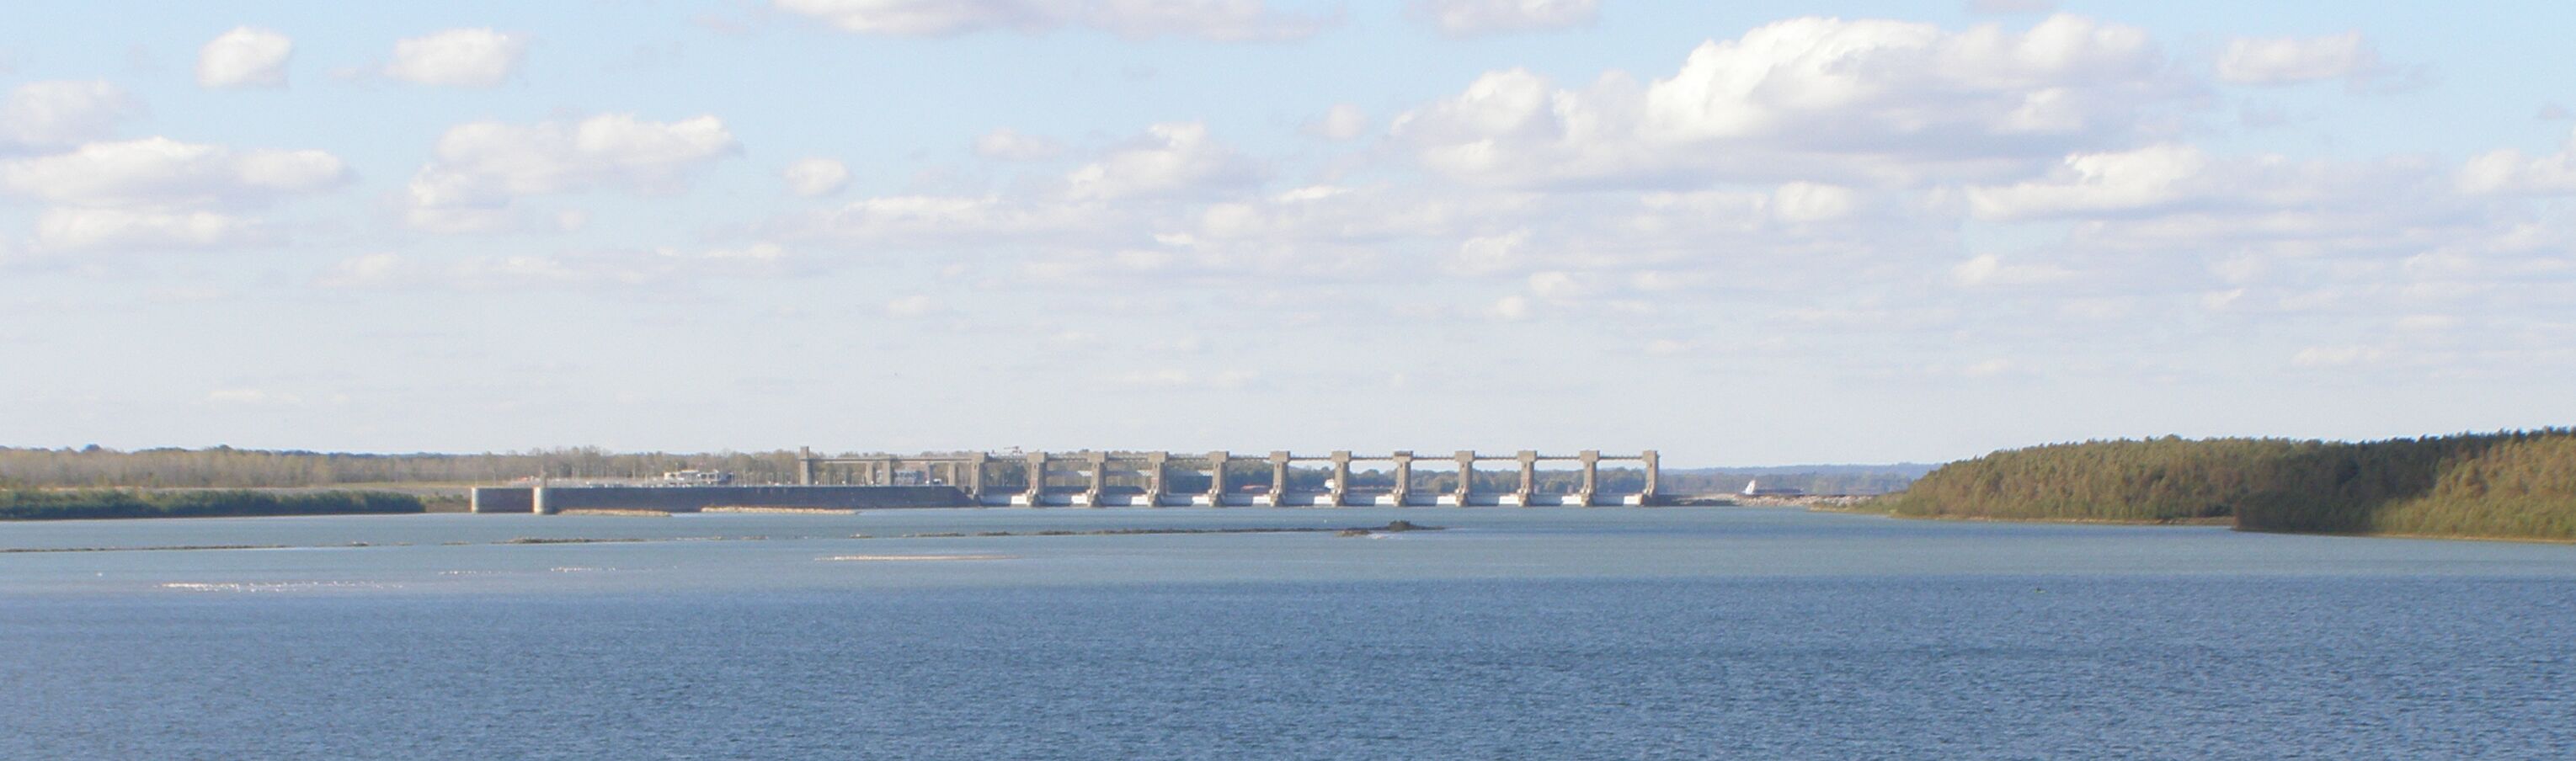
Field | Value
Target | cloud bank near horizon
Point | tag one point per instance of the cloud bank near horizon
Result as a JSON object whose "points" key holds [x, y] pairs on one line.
{"points": [[1984, 230]]}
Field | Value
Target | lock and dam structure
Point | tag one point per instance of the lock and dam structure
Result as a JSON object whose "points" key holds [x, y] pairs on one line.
{"points": [[1136, 479]]}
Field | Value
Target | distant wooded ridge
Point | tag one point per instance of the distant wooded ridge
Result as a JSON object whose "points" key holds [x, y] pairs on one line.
{"points": [[2514, 484], [51, 504], [229, 468]]}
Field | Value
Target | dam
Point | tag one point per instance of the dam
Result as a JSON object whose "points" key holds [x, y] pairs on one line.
{"points": [[1139, 479]]}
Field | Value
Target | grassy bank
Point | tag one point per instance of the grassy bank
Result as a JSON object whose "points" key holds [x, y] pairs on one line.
{"points": [[2503, 485], [69, 504]]}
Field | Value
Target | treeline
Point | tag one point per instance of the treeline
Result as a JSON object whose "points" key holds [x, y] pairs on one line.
{"points": [[2514, 484], [67, 504], [1811, 482], [229, 468]]}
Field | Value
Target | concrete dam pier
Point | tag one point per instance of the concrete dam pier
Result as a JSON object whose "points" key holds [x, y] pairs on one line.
{"points": [[1137, 479]]}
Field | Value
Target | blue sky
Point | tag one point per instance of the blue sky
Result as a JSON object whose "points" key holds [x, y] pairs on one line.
{"points": [[1742, 233]]}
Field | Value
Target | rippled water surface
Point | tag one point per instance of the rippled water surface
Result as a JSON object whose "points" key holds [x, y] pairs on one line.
{"points": [[1538, 633]]}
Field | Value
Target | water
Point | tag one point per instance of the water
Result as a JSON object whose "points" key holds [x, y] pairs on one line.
{"points": [[1538, 633]]}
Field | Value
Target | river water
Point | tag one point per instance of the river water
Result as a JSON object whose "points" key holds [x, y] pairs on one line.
{"points": [[1518, 633]]}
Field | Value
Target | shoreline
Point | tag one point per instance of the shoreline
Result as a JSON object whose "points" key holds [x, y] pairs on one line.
{"points": [[2228, 523]]}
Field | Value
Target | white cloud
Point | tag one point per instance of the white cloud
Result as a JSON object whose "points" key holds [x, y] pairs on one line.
{"points": [[1988, 368], [2286, 61], [919, 18], [1341, 122], [245, 57], [2011, 6], [944, 221], [482, 167], [1490, 254], [2175, 178], [57, 114], [81, 229], [253, 397], [2100, 182], [1989, 269], [2337, 356], [1800, 202], [1174, 157], [1221, 20], [1562, 286], [2510, 171], [816, 177], [581, 269], [1173, 378], [368, 271], [158, 193], [458, 58], [1810, 98], [158, 172], [1013, 145], [2428, 322], [913, 306], [1462, 18]]}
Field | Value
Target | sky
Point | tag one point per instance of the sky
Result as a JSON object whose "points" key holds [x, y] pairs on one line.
{"points": [[1740, 233]]}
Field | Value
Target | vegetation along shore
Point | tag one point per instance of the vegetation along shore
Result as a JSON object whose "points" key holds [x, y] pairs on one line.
{"points": [[2510, 485], [69, 504]]}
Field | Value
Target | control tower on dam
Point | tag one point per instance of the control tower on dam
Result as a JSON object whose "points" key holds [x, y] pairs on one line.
{"points": [[1280, 478]]}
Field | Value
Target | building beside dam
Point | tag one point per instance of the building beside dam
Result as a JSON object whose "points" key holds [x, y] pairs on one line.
{"points": [[1136, 479]]}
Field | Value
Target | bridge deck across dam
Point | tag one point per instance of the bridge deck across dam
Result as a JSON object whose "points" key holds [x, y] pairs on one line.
{"points": [[979, 476], [1134, 479]]}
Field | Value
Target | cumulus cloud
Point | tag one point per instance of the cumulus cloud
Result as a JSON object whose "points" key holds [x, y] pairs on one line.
{"points": [[162, 193], [2171, 178], [2511, 171], [1487, 254], [913, 306], [1813, 202], [161, 173], [255, 397], [1990, 269], [816, 177], [458, 58], [2337, 356], [482, 167], [1884, 101], [1013, 145], [1341, 122], [1221, 20], [1563, 286], [75, 229], [619, 268], [2011, 6], [1173, 378], [41, 115], [2288, 61], [1173, 157], [941, 221], [245, 57], [2103, 182], [1464, 18]]}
